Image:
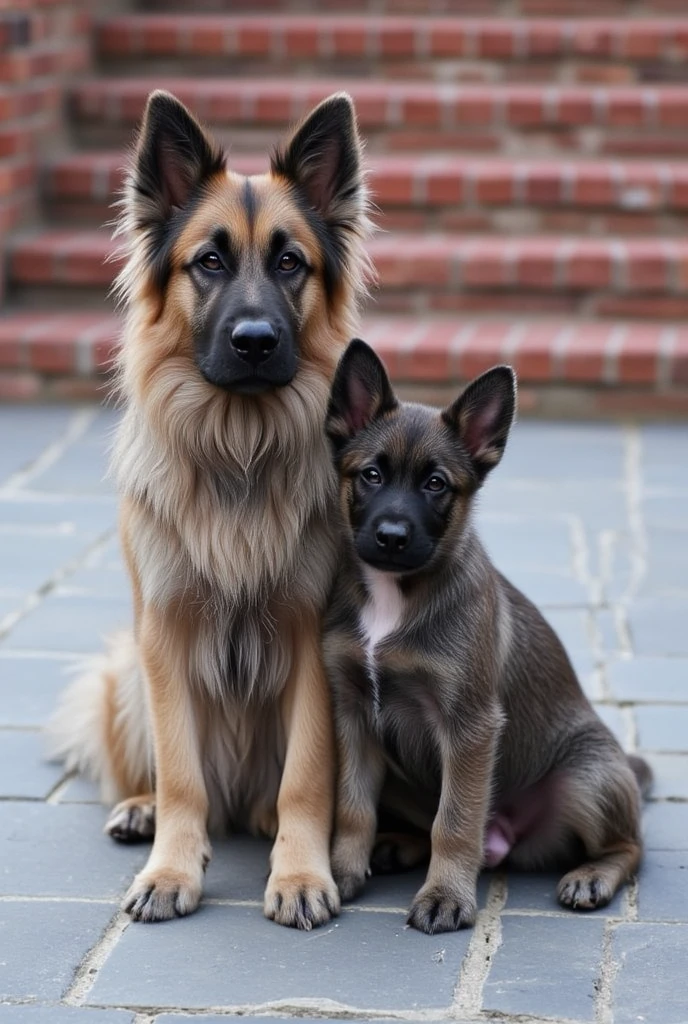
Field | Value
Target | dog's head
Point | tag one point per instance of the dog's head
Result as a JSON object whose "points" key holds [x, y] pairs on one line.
{"points": [[408, 473], [238, 272]]}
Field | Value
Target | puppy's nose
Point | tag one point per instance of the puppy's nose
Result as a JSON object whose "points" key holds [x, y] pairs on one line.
{"points": [[254, 340], [392, 535]]}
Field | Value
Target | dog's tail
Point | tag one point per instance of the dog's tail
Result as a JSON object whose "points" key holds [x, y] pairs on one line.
{"points": [[643, 774], [101, 727]]}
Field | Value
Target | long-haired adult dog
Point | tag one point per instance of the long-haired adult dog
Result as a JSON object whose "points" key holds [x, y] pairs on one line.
{"points": [[240, 295], [446, 679]]}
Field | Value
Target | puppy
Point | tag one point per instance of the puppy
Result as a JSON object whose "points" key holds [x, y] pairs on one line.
{"points": [[456, 705]]}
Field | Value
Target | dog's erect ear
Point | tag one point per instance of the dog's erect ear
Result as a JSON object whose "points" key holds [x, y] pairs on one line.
{"points": [[360, 393], [482, 417], [173, 157], [323, 160]]}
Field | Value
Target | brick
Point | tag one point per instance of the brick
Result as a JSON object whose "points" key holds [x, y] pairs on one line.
{"points": [[652, 961], [670, 773], [532, 357], [658, 628], [344, 964], [22, 1013], [545, 967], [666, 826], [43, 944]]}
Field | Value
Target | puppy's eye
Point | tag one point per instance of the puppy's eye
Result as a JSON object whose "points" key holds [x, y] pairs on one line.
{"points": [[288, 262], [371, 475], [210, 261], [436, 484]]}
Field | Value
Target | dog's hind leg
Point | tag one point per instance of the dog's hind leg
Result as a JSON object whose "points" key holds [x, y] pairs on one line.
{"points": [[602, 807], [132, 820], [596, 806]]}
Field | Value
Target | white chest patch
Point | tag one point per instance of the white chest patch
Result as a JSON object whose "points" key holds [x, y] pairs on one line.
{"points": [[380, 616]]}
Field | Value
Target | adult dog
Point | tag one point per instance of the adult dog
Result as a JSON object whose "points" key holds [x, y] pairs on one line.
{"points": [[241, 293]]}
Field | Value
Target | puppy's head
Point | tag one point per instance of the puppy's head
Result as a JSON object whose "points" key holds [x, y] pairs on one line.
{"points": [[408, 473]]}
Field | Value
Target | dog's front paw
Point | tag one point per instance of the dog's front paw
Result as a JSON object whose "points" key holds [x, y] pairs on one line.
{"points": [[301, 901], [584, 889], [436, 909], [162, 894]]}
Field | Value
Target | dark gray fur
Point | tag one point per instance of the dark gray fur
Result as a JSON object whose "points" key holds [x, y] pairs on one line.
{"points": [[474, 711]]}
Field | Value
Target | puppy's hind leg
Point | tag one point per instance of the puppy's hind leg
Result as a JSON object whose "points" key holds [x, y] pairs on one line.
{"points": [[132, 820], [601, 805]]}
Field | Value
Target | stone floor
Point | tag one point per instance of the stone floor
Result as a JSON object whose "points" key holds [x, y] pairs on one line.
{"points": [[592, 522]]}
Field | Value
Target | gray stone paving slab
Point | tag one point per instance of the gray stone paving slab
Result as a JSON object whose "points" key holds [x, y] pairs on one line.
{"points": [[649, 679], [60, 850], [24, 774], [663, 888], [549, 589], [666, 826], [43, 943], [665, 510], [671, 775], [664, 457], [30, 430], [29, 687], [70, 623], [662, 727], [56, 1014], [650, 985], [527, 543], [89, 517], [538, 892], [599, 507], [79, 791], [582, 452], [572, 626], [546, 967], [658, 627], [30, 560], [231, 955]]}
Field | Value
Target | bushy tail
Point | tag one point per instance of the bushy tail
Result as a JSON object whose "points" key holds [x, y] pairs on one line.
{"points": [[643, 774], [101, 726]]}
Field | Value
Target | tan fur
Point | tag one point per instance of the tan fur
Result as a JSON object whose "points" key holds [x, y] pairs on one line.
{"points": [[226, 524]]}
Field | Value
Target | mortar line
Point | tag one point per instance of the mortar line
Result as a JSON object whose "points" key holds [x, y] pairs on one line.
{"points": [[77, 426], [633, 489], [36, 598], [485, 941], [89, 968], [604, 983]]}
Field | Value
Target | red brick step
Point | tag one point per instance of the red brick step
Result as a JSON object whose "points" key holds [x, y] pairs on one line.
{"points": [[66, 353], [400, 115], [449, 193], [432, 273]]}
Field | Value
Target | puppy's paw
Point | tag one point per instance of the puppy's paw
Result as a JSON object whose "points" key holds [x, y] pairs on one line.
{"points": [[301, 901], [132, 821], [436, 909], [585, 888], [349, 867], [399, 852], [162, 894]]}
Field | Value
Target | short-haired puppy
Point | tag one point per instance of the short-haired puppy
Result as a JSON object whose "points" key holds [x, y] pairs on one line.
{"points": [[455, 702]]}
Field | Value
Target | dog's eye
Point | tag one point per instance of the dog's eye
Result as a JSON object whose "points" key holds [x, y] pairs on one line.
{"points": [[435, 483], [210, 261], [288, 262], [371, 475]]}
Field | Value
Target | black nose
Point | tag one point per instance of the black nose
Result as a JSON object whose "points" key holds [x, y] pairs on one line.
{"points": [[254, 340], [392, 535]]}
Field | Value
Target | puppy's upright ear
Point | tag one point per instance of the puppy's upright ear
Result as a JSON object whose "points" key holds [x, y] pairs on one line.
{"points": [[482, 416], [361, 392], [173, 158]]}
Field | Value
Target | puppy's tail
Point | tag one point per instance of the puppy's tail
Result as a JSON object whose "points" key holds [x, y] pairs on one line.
{"points": [[101, 727], [643, 774]]}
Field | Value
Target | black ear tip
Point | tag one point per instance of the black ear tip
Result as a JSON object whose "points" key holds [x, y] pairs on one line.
{"points": [[160, 101]]}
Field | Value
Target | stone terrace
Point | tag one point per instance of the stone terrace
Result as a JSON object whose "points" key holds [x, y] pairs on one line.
{"points": [[591, 522]]}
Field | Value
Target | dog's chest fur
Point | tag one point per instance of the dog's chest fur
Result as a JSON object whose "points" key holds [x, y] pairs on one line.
{"points": [[380, 616]]}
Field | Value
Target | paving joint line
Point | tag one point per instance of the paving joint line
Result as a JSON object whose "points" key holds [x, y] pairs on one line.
{"points": [[77, 426], [87, 972], [485, 941]]}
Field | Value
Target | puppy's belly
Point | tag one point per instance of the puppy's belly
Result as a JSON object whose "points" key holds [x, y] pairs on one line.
{"points": [[518, 817]]}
